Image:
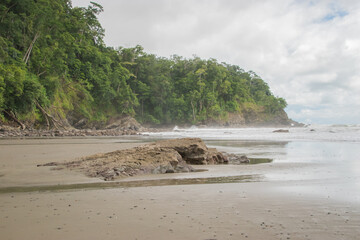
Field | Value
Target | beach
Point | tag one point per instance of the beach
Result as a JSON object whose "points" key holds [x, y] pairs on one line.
{"points": [[271, 201]]}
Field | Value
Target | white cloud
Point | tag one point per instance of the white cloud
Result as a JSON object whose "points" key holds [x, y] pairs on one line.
{"points": [[308, 51]]}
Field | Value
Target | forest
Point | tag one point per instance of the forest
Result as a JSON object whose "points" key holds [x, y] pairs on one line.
{"points": [[55, 66]]}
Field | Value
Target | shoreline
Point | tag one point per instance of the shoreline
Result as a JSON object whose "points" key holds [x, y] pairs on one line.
{"points": [[8, 131], [262, 209], [21, 158]]}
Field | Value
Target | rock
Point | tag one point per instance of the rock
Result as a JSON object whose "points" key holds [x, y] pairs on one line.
{"points": [[81, 123], [252, 115], [244, 159], [215, 157], [5, 128], [281, 131], [58, 133], [164, 169], [48, 164], [168, 156], [237, 159], [193, 151], [125, 123]]}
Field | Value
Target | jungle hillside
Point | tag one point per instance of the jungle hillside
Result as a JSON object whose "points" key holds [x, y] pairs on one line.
{"points": [[56, 70]]}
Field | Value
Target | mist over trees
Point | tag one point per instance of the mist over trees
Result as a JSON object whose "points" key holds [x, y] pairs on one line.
{"points": [[54, 65]]}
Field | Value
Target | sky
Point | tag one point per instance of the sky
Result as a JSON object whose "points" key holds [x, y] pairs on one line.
{"points": [[307, 51]]}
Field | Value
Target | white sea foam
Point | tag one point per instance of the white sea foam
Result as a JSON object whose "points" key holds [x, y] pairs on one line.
{"points": [[309, 133]]}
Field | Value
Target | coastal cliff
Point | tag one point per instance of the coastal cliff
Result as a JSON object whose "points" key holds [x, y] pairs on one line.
{"points": [[250, 117]]}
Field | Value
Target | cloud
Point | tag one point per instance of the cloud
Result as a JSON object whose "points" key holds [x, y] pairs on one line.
{"points": [[308, 51], [321, 114]]}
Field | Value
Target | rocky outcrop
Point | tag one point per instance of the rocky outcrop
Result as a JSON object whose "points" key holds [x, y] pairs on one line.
{"points": [[6, 131], [193, 151], [119, 126], [237, 159], [168, 156], [124, 123], [235, 119], [119, 123], [253, 116]]}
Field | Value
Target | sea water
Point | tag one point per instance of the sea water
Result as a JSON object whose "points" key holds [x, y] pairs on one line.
{"points": [[321, 160]]}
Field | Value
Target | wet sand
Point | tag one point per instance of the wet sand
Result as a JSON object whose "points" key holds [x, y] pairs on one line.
{"points": [[19, 158], [256, 209]]}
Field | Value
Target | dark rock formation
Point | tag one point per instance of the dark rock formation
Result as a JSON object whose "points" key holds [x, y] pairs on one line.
{"points": [[193, 151], [168, 156]]}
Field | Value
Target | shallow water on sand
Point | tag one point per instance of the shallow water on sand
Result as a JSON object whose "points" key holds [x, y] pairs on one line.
{"points": [[132, 184], [331, 169], [329, 155], [309, 191], [327, 167]]}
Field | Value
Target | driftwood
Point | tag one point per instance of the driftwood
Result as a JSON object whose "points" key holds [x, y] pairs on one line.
{"points": [[14, 118], [48, 117]]}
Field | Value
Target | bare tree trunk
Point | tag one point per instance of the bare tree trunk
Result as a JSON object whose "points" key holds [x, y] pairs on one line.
{"points": [[201, 106], [47, 116], [39, 74], [28, 52], [193, 110], [13, 117]]}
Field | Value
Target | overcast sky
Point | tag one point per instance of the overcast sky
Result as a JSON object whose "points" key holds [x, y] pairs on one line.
{"points": [[307, 51]]}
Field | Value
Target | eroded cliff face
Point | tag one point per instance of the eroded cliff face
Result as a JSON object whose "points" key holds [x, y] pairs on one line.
{"points": [[254, 117], [262, 118]]}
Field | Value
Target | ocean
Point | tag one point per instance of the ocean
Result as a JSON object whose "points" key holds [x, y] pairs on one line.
{"points": [[321, 160]]}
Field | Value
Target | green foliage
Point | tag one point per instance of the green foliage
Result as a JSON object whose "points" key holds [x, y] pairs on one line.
{"points": [[19, 89], [181, 90], [53, 54], [2, 90]]}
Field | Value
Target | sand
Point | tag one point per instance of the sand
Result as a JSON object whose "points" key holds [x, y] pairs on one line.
{"points": [[257, 209], [19, 158]]}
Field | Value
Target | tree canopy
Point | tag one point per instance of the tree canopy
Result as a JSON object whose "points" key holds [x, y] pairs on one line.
{"points": [[53, 58]]}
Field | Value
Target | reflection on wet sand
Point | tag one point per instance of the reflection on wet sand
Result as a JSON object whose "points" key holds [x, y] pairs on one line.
{"points": [[260, 160], [246, 143], [258, 149], [131, 184]]}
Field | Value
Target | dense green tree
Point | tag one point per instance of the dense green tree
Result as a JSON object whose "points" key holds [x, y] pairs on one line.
{"points": [[53, 62], [193, 90], [53, 57]]}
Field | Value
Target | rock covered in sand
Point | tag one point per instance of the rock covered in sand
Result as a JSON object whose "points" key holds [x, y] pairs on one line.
{"points": [[167, 156], [193, 151]]}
